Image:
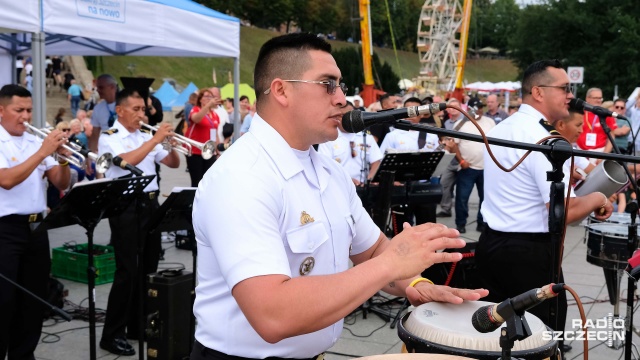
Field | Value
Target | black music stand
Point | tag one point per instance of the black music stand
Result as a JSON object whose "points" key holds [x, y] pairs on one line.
{"points": [[86, 204], [398, 166], [175, 213]]}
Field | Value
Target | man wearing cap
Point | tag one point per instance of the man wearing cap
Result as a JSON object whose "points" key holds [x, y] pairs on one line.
{"points": [[470, 158]]}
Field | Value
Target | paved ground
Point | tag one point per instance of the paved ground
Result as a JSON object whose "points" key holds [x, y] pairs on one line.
{"points": [[361, 337]]}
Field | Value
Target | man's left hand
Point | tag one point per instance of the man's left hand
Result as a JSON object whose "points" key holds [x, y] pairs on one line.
{"points": [[424, 292]]}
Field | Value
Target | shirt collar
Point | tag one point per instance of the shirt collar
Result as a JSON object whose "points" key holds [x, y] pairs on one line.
{"points": [[531, 113], [5, 136], [282, 155], [122, 131]]}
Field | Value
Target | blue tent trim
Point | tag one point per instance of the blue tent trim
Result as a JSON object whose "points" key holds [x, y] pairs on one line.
{"points": [[194, 7], [183, 97], [166, 93]]}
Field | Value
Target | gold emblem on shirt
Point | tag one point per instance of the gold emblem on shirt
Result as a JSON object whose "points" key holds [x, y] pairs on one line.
{"points": [[338, 160], [305, 218], [110, 132], [307, 265], [13, 158]]}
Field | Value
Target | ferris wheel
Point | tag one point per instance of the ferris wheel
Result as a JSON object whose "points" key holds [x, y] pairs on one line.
{"points": [[439, 43]]}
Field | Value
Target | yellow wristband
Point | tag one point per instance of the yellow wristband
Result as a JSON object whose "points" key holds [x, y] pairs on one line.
{"points": [[66, 163], [414, 282]]}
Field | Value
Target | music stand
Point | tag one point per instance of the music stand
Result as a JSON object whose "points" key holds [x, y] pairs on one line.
{"points": [[175, 213], [399, 166], [86, 204]]}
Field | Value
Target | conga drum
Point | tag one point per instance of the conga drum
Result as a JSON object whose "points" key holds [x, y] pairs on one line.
{"points": [[446, 329], [414, 357]]}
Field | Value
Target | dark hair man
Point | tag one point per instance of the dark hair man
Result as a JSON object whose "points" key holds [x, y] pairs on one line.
{"points": [[276, 223]]}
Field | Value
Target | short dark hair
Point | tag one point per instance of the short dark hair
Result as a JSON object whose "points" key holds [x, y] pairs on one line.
{"points": [[125, 94], [412, 99], [284, 57], [536, 72], [9, 91], [624, 101], [243, 97], [384, 97]]}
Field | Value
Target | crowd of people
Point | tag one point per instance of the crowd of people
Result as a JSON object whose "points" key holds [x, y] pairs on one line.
{"points": [[288, 192]]}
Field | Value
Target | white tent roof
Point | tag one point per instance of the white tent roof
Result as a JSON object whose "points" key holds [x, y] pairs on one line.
{"points": [[119, 27], [489, 86]]}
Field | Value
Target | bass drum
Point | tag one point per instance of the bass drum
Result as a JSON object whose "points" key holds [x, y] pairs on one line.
{"points": [[446, 329]]}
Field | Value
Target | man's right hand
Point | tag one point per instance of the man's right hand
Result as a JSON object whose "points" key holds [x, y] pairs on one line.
{"points": [[164, 131], [416, 248], [52, 142]]}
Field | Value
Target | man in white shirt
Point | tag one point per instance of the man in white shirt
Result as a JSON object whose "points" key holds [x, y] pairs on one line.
{"points": [[25, 167], [514, 251], [470, 157], [276, 224], [140, 149]]}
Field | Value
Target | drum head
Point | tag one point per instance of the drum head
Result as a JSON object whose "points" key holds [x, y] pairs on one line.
{"points": [[615, 218], [609, 230], [447, 329], [414, 356]]}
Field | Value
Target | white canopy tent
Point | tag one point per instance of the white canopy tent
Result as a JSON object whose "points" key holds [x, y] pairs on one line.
{"points": [[119, 27]]}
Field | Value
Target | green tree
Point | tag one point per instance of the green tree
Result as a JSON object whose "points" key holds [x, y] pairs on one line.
{"points": [[349, 61]]}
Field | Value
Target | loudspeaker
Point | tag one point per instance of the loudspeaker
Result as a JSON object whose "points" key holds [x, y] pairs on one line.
{"points": [[169, 327], [464, 274]]}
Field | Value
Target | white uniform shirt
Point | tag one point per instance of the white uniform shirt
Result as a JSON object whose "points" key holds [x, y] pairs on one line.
{"points": [[516, 201], [471, 151], [28, 197], [408, 140], [101, 114], [340, 151], [248, 221], [124, 141]]}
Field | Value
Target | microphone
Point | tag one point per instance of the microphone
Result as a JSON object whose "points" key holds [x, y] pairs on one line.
{"points": [[581, 105], [489, 318], [355, 120], [118, 161]]}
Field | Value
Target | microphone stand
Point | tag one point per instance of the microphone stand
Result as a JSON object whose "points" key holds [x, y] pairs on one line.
{"points": [[557, 152], [52, 307]]}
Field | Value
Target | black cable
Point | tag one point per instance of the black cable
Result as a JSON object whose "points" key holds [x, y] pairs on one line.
{"points": [[56, 334]]}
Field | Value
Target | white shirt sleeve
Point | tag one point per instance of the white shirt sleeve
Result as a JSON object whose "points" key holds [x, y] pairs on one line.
{"points": [[110, 144], [375, 154]]}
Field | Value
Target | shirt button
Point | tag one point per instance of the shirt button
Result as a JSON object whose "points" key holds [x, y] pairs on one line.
{"points": [[310, 245]]}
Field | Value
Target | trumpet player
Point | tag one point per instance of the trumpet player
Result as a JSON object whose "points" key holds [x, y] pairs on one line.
{"points": [[25, 165], [140, 149]]}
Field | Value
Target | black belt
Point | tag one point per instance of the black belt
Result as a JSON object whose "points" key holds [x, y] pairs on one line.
{"points": [[535, 237], [215, 354], [151, 195], [22, 219]]}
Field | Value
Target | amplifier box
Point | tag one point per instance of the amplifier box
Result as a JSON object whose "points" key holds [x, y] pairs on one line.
{"points": [[170, 321]]}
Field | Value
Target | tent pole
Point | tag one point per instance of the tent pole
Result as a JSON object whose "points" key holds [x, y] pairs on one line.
{"points": [[236, 96], [39, 82]]}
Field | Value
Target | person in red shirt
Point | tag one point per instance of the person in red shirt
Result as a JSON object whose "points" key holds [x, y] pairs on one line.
{"points": [[593, 136], [203, 126]]}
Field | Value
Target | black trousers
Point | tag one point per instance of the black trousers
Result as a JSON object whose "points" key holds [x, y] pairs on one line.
{"points": [[25, 259], [512, 263], [197, 167], [129, 231]]}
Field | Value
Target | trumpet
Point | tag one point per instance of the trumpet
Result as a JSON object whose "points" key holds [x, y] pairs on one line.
{"points": [[102, 162], [186, 144]]}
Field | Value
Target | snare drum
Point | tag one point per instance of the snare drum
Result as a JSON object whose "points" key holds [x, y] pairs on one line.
{"points": [[446, 329], [607, 245]]}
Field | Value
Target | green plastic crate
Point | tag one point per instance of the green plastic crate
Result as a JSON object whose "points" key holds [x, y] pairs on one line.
{"points": [[70, 262]]}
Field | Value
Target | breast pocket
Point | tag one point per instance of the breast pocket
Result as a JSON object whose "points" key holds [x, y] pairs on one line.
{"points": [[305, 245]]}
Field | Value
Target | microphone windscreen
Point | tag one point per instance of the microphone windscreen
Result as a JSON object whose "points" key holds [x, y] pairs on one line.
{"points": [[481, 321], [352, 121], [577, 105]]}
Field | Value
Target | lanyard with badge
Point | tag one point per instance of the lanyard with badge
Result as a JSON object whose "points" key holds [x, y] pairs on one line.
{"points": [[591, 136]]}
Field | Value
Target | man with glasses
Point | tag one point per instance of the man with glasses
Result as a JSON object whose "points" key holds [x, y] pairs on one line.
{"points": [[633, 113], [104, 113], [593, 136], [621, 134], [276, 224], [513, 253]]}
